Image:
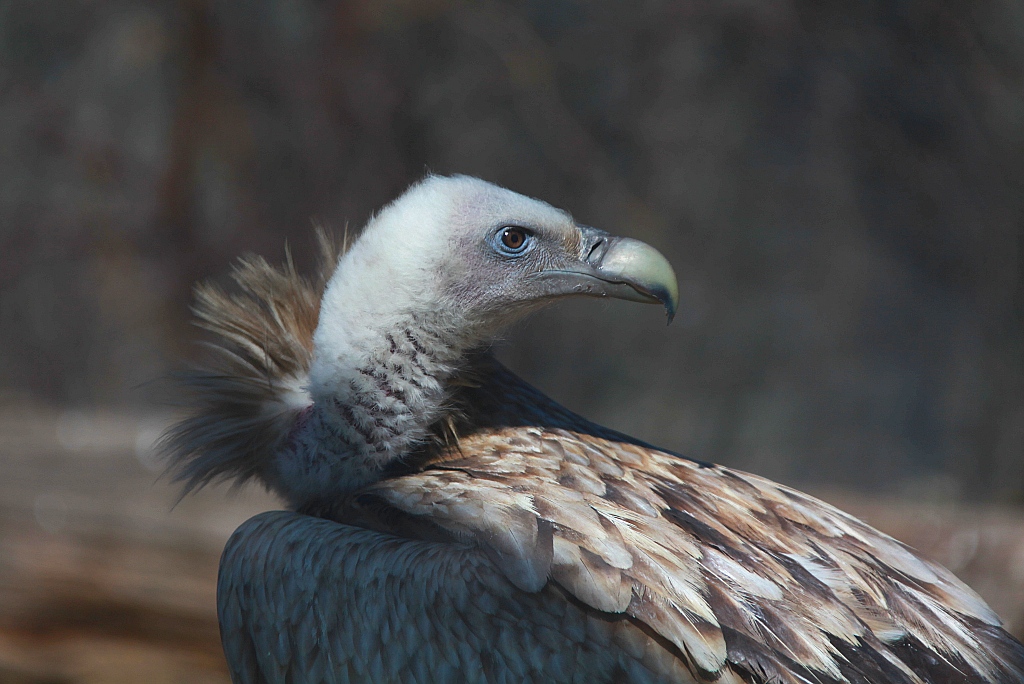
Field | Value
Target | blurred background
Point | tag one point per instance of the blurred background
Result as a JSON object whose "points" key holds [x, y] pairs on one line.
{"points": [[839, 185]]}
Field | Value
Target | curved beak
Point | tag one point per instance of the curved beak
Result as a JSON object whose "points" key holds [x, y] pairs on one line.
{"points": [[617, 267]]}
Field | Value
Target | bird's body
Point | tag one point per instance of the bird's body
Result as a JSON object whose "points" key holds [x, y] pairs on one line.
{"points": [[450, 523]]}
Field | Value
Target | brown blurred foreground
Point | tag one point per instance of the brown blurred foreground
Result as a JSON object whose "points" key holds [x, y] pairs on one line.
{"points": [[103, 579]]}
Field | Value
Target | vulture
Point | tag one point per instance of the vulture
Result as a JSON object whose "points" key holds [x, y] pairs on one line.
{"points": [[447, 522]]}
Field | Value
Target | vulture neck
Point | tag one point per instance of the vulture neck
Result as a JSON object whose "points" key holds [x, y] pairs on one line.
{"points": [[379, 382]]}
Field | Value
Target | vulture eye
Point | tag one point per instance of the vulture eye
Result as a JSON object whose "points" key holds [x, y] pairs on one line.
{"points": [[513, 240]]}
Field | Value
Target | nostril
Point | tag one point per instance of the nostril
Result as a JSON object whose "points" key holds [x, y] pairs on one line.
{"points": [[596, 250]]}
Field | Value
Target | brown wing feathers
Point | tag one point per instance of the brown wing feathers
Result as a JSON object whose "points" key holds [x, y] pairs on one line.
{"points": [[740, 574]]}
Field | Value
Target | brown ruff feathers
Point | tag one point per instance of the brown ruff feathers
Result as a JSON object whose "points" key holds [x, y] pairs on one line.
{"points": [[245, 396]]}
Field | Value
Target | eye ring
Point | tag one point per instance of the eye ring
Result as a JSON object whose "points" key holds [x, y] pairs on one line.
{"points": [[513, 240]]}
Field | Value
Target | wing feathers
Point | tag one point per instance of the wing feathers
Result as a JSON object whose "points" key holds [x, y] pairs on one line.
{"points": [[590, 579], [701, 641], [523, 548], [745, 577]]}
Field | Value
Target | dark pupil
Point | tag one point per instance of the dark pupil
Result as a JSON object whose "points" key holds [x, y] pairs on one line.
{"points": [[513, 238]]}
